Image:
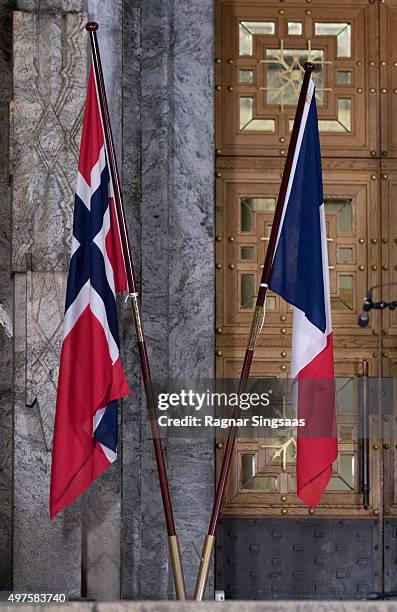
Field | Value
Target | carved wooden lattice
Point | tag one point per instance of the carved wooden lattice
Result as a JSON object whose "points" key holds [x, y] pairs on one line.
{"points": [[260, 69]]}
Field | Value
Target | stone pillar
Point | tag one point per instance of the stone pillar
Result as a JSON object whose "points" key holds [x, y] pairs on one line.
{"points": [[170, 198], [191, 263], [133, 407]]}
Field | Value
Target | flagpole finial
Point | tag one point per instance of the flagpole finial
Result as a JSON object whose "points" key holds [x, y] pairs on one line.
{"points": [[308, 67], [91, 26]]}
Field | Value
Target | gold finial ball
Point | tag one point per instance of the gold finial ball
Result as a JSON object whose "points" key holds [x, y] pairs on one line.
{"points": [[91, 26]]}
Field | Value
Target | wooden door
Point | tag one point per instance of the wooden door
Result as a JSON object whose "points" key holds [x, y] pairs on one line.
{"points": [[260, 51]]}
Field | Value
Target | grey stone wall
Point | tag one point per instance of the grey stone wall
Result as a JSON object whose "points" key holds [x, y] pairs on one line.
{"points": [[49, 83], [157, 60], [79, 552], [6, 327], [133, 407]]}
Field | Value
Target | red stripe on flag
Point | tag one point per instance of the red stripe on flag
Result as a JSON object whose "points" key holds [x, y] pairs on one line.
{"points": [[92, 136], [114, 251], [317, 446], [87, 381]]}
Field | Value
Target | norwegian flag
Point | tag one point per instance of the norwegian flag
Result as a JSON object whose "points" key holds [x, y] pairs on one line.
{"points": [[300, 275], [91, 377]]}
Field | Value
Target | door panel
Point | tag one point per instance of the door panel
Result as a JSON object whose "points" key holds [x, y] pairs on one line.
{"points": [[246, 196], [262, 481], [390, 555], [295, 559]]}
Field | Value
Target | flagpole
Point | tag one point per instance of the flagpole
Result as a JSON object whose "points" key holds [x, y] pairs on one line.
{"points": [[173, 542], [209, 541]]}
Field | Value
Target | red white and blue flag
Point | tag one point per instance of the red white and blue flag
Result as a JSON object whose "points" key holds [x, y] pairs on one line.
{"points": [[300, 275], [91, 377]]}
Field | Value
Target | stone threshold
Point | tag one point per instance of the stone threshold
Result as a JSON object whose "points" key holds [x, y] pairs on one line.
{"points": [[235, 606]]}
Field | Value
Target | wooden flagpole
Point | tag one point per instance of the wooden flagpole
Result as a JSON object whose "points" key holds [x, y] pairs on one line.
{"points": [[209, 542], [175, 555]]}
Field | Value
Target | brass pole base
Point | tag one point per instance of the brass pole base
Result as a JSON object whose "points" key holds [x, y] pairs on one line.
{"points": [[204, 569], [177, 569]]}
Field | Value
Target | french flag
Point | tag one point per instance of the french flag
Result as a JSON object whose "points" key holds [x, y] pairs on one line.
{"points": [[91, 377], [300, 275]]}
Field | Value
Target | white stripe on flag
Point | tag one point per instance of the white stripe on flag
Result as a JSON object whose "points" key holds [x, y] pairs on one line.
{"points": [[76, 308], [75, 245], [97, 418], [110, 454], [307, 340], [99, 311], [100, 242], [85, 191], [88, 296]]}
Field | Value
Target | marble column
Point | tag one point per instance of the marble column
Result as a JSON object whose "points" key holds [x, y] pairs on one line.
{"points": [[133, 407], [144, 545], [191, 265], [170, 200]]}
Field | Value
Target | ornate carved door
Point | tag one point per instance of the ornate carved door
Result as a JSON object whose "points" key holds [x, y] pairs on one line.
{"points": [[261, 48]]}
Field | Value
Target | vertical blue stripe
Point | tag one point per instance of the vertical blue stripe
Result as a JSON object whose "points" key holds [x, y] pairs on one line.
{"points": [[297, 270]]}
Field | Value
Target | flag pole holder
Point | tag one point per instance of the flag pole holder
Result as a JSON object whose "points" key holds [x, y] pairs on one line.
{"points": [[133, 296], [256, 327]]}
